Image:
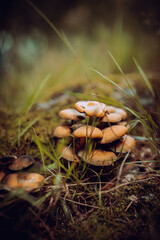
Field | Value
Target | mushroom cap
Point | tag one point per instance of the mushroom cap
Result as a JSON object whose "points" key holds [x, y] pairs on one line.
{"points": [[122, 112], [124, 145], [62, 131], [112, 117], [7, 159], [71, 114], [21, 162], [91, 108], [109, 109], [68, 154], [113, 133], [28, 181], [98, 157], [2, 174], [88, 131], [125, 124]]}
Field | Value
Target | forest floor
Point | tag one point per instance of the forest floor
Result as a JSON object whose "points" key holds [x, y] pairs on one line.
{"points": [[107, 203]]}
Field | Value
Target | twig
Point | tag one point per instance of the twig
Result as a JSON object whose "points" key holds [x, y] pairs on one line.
{"points": [[44, 225]]}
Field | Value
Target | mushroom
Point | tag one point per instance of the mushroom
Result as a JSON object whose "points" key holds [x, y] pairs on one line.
{"points": [[6, 160], [122, 112], [91, 108], [71, 114], [112, 117], [27, 181], [125, 124], [113, 133], [68, 154], [98, 157], [87, 131], [22, 162], [62, 131], [110, 130], [2, 175], [126, 144]]}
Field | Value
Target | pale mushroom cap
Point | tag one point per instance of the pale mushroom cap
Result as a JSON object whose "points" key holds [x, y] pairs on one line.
{"points": [[71, 114], [88, 131], [68, 154], [91, 108], [28, 181], [112, 117], [122, 112], [124, 145], [62, 131], [113, 133], [22, 162], [2, 174], [109, 109], [98, 157], [125, 124]]}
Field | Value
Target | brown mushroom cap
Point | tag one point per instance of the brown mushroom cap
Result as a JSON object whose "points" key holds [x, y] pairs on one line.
{"points": [[7, 159], [71, 114], [124, 145], [2, 174], [68, 154], [122, 112], [62, 131], [112, 117], [98, 157], [113, 133], [22, 162], [28, 181], [88, 131], [91, 108]]}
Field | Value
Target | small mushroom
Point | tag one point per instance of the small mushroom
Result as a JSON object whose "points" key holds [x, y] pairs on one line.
{"points": [[27, 181], [68, 154], [98, 157], [122, 112], [125, 124], [126, 144], [112, 117], [113, 133], [109, 109], [91, 108], [7, 159], [62, 131], [88, 131], [2, 175], [71, 114], [22, 162]]}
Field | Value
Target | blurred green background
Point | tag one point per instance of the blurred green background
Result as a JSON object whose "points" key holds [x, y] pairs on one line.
{"points": [[30, 49]]}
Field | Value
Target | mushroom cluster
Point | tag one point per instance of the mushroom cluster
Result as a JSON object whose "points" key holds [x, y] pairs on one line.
{"points": [[11, 177], [95, 124]]}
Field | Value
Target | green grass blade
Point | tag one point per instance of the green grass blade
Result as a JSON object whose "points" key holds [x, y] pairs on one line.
{"points": [[32, 99], [144, 77]]}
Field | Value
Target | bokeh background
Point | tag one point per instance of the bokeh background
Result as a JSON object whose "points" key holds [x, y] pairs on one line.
{"points": [[30, 49]]}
